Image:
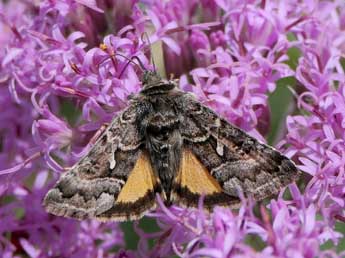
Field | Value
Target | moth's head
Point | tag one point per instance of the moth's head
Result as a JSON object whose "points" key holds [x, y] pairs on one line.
{"points": [[153, 83], [151, 78]]}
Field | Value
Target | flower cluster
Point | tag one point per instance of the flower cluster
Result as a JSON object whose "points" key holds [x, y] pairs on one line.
{"points": [[64, 73]]}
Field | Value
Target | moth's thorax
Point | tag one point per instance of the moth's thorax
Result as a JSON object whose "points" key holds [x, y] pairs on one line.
{"points": [[162, 123], [163, 117]]}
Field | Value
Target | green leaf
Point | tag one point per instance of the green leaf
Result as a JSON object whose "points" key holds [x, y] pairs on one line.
{"points": [[279, 102], [148, 225]]}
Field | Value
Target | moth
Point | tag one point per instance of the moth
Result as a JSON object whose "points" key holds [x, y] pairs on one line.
{"points": [[167, 143]]}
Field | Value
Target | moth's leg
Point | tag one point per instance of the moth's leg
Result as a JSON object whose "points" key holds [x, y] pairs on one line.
{"points": [[99, 132], [93, 140]]}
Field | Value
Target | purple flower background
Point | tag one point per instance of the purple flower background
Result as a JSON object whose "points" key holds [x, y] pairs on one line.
{"points": [[273, 68]]}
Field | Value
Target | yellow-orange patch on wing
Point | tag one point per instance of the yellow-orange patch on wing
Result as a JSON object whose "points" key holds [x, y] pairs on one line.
{"points": [[195, 177], [140, 181]]}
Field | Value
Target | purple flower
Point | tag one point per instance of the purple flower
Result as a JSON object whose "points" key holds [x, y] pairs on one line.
{"points": [[230, 54]]}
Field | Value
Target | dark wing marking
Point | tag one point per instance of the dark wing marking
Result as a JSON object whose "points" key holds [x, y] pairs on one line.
{"points": [[90, 189], [236, 160]]}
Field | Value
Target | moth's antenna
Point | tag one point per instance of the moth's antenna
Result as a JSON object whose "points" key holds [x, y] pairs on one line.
{"points": [[149, 43], [130, 60]]}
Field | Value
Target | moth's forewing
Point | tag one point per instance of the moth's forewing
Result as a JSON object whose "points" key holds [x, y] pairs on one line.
{"points": [[236, 160], [91, 189]]}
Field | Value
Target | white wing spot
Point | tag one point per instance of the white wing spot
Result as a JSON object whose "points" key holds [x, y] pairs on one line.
{"points": [[112, 163], [220, 148]]}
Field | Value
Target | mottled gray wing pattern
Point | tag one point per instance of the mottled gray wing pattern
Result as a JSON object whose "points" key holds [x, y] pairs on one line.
{"points": [[236, 160], [90, 188]]}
